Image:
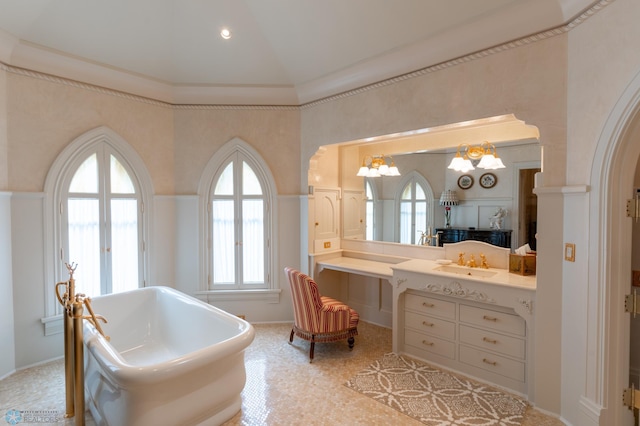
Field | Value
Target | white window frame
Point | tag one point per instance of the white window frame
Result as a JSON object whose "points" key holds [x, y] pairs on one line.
{"points": [[374, 207], [56, 186], [415, 178], [103, 151], [220, 159]]}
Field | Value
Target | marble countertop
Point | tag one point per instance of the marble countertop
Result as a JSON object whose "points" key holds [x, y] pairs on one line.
{"points": [[385, 270], [371, 268], [497, 276]]}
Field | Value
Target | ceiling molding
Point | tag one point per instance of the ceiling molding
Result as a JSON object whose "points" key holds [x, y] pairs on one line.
{"points": [[562, 29], [51, 66]]}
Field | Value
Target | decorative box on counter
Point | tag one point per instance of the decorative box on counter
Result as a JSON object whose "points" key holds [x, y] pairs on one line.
{"points": [[522, 265]]}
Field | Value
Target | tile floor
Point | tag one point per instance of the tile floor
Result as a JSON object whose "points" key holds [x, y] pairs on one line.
{"points": [[282, 387]]}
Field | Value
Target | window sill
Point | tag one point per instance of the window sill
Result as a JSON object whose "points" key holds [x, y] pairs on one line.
{"points": [[53, 325], [268, 295]]}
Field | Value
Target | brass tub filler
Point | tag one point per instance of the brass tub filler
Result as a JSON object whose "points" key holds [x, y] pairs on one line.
{"points": [[74, 304]]}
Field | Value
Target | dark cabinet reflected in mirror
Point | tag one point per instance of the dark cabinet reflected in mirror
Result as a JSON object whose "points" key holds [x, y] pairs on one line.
{"points": [[497, 237]]}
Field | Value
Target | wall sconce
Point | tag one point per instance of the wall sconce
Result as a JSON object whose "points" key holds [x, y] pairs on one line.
{"points": [[376, 166], [485, 153], [447, 199]]}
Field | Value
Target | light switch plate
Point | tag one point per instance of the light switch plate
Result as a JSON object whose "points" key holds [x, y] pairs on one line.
{"points": [[569, 252]]}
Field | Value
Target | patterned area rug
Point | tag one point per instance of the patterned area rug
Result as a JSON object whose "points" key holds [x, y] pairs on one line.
{"points": [[435, 397]]}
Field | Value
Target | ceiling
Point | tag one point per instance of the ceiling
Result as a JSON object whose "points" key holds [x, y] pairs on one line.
{"points": [[281, 51]]}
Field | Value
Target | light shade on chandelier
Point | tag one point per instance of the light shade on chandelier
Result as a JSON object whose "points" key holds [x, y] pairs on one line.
{"points": [[486, 153], [376, 166]]}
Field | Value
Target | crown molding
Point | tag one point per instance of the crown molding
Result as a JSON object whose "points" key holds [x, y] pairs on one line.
{"points": [[29, 60], [543, 35]]}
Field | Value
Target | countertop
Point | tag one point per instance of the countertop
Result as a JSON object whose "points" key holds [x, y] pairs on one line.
{"points": [[501, 277], [385, 270]]}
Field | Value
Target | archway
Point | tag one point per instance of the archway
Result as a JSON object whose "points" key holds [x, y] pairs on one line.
{"points": [[610, 232]]}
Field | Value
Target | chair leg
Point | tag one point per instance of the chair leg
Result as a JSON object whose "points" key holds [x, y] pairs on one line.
{"points": [[351, 342], [313, 344], [291, 337]]}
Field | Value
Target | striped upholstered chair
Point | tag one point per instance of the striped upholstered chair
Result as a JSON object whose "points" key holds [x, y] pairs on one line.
{"points": [[319, 318]]}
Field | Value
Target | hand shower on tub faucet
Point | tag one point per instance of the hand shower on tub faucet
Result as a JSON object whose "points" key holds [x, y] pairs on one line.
{"points": [[93, 318]]}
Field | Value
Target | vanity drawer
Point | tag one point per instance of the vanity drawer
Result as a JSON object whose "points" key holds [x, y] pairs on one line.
{"points": [[507, 345], [425, 343], [495, 363], [494, 320], [430, 306], [430, 325]]}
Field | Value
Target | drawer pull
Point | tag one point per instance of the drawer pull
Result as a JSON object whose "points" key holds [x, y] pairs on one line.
{"points": [[426, 343], [488, 318], [428, 324], [428, 305], [492, 341], [486, 361]]}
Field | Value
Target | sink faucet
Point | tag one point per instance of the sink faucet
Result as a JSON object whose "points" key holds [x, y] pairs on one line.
{"points": [[484, 265], [461, 258], [426, 238], [472, 262]]}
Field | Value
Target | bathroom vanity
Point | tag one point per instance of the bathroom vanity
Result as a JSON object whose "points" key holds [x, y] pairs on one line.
{"points": [[476, 321]]}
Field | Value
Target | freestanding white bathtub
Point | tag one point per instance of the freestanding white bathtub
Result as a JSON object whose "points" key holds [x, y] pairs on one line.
{"points": [[172, 360]]}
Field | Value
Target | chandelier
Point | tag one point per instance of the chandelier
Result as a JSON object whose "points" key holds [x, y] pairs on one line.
{"points": [[485, 153], [376, 166]]}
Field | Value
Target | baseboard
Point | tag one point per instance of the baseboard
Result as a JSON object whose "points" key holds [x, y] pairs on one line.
{"points": [[590, 411], [9, 373], [37, 364]]}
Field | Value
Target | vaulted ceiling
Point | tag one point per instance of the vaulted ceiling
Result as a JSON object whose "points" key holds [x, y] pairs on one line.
{"points": [[280, 52]]}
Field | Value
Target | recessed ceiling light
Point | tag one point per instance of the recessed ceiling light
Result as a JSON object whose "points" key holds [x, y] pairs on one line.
{"points": [[225, 33]]}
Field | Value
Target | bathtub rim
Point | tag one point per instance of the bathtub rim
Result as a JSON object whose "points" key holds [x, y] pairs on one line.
{"points": [[125, 373]]}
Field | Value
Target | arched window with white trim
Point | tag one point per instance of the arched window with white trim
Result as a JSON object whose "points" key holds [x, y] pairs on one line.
{"points": [[97, 190], [238, 192], [415, 207], [100, 217]]}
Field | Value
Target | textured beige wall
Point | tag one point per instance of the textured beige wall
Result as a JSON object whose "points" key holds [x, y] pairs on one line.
{"points": [[604, 58], [528, 81], [174, 143], [274, 133], [4, 164], [44, 117]]}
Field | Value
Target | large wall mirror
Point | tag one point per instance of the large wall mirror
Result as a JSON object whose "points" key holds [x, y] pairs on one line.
{"points": [[402, 208]]}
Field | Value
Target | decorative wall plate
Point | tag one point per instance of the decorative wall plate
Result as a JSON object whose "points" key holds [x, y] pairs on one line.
{"points": [[465, 181], [488, 180]]}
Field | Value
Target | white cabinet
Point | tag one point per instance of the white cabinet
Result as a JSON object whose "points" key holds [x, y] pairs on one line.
{"points": [[326, 214], [485, 342], [468, 326], [430, 327], [493, 341]]}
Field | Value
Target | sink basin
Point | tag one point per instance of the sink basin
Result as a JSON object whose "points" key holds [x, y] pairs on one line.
{"points": [[464, 270]]}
